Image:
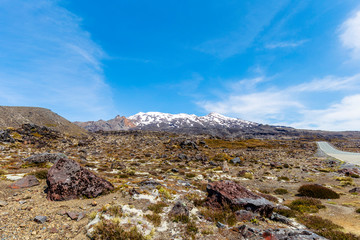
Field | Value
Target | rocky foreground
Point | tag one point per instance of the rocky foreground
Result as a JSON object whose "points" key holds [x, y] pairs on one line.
{"points": [[151, 185]]}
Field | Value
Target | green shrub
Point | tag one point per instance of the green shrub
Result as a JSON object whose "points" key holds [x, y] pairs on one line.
{"points": [[284, 178], [318, 223], [317, 191], [281, 191], [154, 218], [109, 230], [326, 228], [306, 205], [41, 174], [226, 216], [157, 207]]}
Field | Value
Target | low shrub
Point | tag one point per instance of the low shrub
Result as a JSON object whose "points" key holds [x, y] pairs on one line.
{"points": [[283, 178], [41, 174], [281, 191], [326, 228], [109, 230], [157, 207], [226, 216], [154, 218], [317, 191], [302, 205]]}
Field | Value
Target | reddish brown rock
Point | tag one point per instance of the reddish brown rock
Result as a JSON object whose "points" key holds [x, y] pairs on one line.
{"points": [[228, 193], [68, 180], [25, 182]]}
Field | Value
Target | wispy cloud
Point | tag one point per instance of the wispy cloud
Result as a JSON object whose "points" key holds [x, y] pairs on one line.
{"points": [[285, 44], [240, 39], [350, 34], [48, 60], [286, 105]]}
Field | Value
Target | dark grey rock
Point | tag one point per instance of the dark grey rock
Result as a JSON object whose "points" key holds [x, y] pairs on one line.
{"points": [[236, 160], [179, 209], [44, 157], [40, 219]]}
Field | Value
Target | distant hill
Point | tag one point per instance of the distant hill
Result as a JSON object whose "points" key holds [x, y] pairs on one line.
{"points": [[118, 123], [17, 116]]}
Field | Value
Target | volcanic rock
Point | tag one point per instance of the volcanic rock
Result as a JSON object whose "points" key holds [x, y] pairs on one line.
{"points": [[228, 193], [67, 180], [5, 136], [355, 190], [179, 209], [188, 144], [44, 157], [25, 182]]}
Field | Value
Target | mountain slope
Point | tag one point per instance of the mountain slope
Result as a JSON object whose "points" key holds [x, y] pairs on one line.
{"points": [[118, 123], [16, 116], [166, 120]]}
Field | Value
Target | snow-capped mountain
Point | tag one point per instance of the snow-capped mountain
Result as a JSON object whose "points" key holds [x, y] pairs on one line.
{"points": [[182, 120]]}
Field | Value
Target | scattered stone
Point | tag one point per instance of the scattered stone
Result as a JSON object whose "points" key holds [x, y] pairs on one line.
{"points": [[224, 193], [182, 156], [354, 190], [236, 160], [22, 201], [213, 163], [25, 182], [81, 216], [44, 157], [149, 183], [53, 230], [188, 144], [94, 203], [72, 215], [68, 180], [5, 136], [174, 170], [179, 209], [40, 219], [117, 165], [133, 191], [220, 225], [243, 215], [225, 167], [3, 203], [280, 218]]}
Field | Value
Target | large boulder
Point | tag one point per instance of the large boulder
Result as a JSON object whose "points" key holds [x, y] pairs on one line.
{"points": [[25, 182], [67, 180], [44, 157], [230, 194]]}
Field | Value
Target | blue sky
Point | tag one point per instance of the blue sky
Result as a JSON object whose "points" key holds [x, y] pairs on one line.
{"points": [[294, 63]]}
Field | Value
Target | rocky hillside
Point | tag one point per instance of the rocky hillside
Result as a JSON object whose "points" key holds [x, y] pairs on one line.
{"points": [[118, 123], [17, 116]]}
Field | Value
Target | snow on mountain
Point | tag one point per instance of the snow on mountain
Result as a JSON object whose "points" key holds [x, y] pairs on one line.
{"points": [[157, 119]]}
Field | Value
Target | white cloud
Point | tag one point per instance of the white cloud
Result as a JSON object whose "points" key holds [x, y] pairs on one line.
{"points": [[339, 116], [48, 60], [350, 33], [288, 106], [285, 44]]}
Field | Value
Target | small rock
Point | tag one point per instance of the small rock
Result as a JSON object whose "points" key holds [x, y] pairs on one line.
{"points": [[243, 215], [354, 190], [220, 225], [25, 182], [225, 167], [53, 230], [179, 209], [236, 160], [174, 170], [3, 203], [72, 215], [80, 216], [40, 219], [94, 203], [22, 201]]}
